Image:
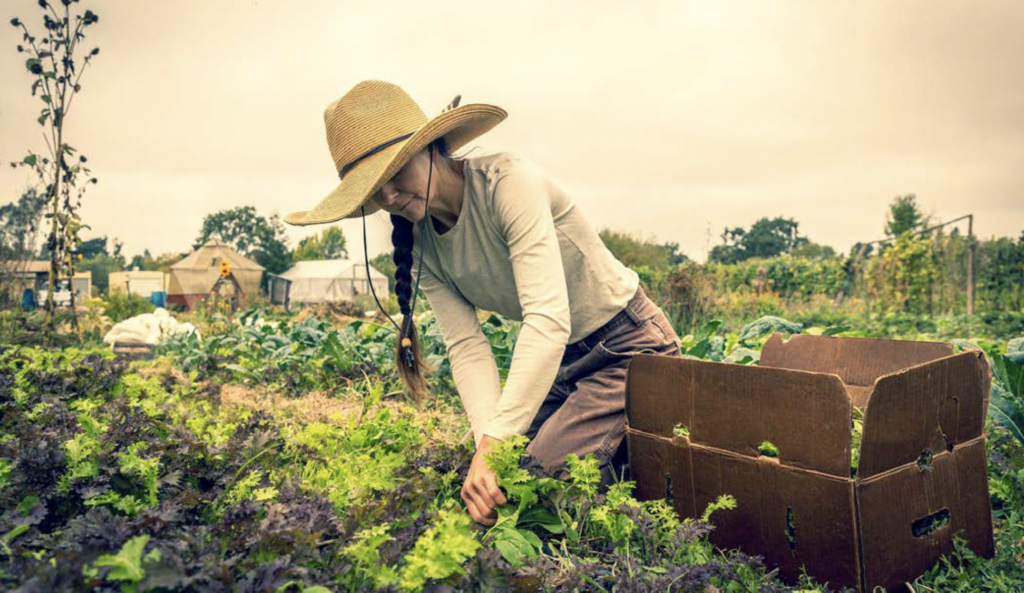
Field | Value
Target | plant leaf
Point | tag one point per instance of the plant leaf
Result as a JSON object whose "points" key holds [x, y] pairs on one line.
{"points": [[1007, 412], [767, 325]]}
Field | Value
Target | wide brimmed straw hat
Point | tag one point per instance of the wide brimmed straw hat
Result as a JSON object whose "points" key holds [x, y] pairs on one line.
{"points": [[373, 131]]}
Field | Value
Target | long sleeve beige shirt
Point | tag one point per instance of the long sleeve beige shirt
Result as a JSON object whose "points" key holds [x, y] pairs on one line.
{"points": [[523, 249]]}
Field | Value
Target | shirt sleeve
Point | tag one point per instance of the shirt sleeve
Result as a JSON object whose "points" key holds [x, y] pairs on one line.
{"points": [[522, 206], [473, 367]]}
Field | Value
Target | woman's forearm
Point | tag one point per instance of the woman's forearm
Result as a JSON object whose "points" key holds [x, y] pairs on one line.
{"points": [[535, 360]]}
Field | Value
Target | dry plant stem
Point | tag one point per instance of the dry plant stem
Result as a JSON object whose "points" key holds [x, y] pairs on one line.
{"points": [[51, 195], [58, 98]]}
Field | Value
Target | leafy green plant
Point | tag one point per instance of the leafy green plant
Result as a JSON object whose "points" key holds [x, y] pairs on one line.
{"points": [[511, 534], [128, 504], [964, 571], [768, 449], [609, 522], [118, 307], [247, 489], [148, 469], [1007, 397], [349, 463], [82, 451], [126, 566], [364, 552], [703, 344], [767, 326], [440, 552]]}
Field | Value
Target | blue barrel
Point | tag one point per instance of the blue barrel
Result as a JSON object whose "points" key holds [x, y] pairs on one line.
{"points": [[158, 298], [28, 300]]}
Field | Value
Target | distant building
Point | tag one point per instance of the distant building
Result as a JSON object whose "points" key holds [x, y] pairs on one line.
{"points": [[141, 283], [192, 279], [35, 274], [332, 280]]}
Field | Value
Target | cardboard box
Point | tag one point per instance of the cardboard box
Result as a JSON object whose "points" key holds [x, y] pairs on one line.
{"points": [[922, 474]]}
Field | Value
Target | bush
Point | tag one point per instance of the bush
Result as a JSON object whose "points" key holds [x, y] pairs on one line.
{"points": [[788, 276], [684, 293], [366, 302], [119, 307]]}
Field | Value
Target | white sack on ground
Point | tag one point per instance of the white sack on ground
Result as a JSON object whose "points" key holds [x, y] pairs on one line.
{"points": [[148, 328]]}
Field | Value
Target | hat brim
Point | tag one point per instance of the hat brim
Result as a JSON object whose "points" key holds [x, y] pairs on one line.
{"points": [[458, 126]]}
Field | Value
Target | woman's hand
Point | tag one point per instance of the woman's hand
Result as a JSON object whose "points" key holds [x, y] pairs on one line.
{"points": [[481, 492]]}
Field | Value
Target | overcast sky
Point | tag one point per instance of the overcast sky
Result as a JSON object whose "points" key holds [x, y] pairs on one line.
{"points": [[668, 119]]}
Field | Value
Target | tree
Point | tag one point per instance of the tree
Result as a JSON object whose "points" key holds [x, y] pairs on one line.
{"points": [[329, 244], [256, 237], [140, 261], [766, 238], [904, 215], [19, 226], [19, 232], [636, 251], [160, 263], [92, 247], [101, 265], [901, 278], [812, 250], [385, 264], [94, 257], [57, 73]]}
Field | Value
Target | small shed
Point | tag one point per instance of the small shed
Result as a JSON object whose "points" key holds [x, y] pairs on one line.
{"points": [[142, 283], [332, 280], [192, 278], [35, 274]]}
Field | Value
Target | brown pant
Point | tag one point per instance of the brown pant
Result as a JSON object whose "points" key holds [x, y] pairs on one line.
{"points": [[585, 410]]}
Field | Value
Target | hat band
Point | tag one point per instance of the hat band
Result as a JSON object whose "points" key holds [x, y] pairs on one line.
{"points": [[371, 152]]}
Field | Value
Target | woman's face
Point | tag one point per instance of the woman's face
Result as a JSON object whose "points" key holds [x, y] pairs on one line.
{"points": [[404, 194]]}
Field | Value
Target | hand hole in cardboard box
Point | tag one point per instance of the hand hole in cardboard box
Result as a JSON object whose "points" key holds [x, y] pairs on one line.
{"points": [[924, 461], [930, 523], [790, 528], [768, 450]]}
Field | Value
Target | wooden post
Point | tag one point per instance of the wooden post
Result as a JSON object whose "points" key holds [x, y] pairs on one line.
{"points": [[970, 264]]}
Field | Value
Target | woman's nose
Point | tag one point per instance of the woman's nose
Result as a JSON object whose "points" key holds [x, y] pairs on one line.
{"points": [[388, 194]]}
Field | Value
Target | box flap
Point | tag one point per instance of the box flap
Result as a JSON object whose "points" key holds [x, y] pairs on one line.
{"points": [[807, 416], [929, 407], [857, 361], [909, 517]]}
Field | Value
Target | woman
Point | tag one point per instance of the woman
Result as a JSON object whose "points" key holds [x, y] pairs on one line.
{"points": [[500, 236]]}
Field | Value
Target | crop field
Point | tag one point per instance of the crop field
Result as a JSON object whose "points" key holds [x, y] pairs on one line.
{"points": [[199, 389], [281, 455]]}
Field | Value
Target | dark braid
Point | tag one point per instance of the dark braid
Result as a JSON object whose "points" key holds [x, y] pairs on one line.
{"points": [[408, 354], [408, 357], [402, 239]]}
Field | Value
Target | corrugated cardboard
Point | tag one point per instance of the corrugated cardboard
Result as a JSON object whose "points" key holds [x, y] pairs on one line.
{"points": [[922, 460]]}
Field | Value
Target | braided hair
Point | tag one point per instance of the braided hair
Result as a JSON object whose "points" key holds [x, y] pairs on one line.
{"points": [[408, 353]]}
